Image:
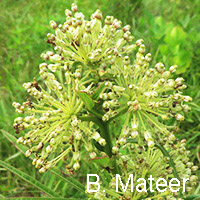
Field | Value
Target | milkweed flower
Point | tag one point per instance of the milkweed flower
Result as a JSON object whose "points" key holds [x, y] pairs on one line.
{"points": [[89, 42], [54, 131], [99, 92], [147, 95]]}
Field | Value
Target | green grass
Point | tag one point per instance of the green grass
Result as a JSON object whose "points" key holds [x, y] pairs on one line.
{"points": [[169, 28]]}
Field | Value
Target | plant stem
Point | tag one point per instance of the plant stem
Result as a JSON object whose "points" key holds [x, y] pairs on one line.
{"points": [[105, 133]]}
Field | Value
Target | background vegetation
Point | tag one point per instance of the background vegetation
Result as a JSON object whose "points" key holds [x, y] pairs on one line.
{"points": [[171, 31]]}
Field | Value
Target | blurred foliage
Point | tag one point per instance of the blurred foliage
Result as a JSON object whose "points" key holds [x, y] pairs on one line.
{"points": [[171, 31]]}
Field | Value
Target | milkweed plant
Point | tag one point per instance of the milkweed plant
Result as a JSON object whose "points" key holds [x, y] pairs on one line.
{"points": [[99, 98]]}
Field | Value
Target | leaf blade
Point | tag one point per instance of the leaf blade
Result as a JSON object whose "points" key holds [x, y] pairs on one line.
{"points": [[86, 99], [29, 179], [71, 181], [193, 197]]}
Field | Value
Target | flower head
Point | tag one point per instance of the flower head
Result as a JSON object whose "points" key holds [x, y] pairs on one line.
{"points": [[91, 42], [53, 129]]}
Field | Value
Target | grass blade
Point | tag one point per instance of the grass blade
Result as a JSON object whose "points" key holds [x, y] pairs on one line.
{"points": [[29, 179], [193, 197], [73, 182], [13, 140]]}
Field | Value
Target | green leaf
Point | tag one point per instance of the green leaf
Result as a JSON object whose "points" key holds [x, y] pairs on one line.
{"points": [[98, 91], [104, 132], [175, 36], [72, 182], [98, 146], [197, 190], [105, 161], [193, 197], [29, 179], [13, 140], [171, 162], [89, 103], [2, 196], [130, 140], [183, 60], [102, 161]]}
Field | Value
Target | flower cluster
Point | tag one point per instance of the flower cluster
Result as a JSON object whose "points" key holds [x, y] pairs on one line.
{"points": [[96, 94], [89, 42], [143, 163], [147, 95], [54, 131]]}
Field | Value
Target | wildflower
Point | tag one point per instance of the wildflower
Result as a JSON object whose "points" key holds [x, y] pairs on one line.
{"points": [[53, 127], [90, 80]]}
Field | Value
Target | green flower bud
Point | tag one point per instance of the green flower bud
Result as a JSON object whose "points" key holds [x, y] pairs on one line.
{"points": [[102, 142], [179, 117], [42, 170], [28, 153], [160, 67], [53, 24], [76, 166], [74, 7]]}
